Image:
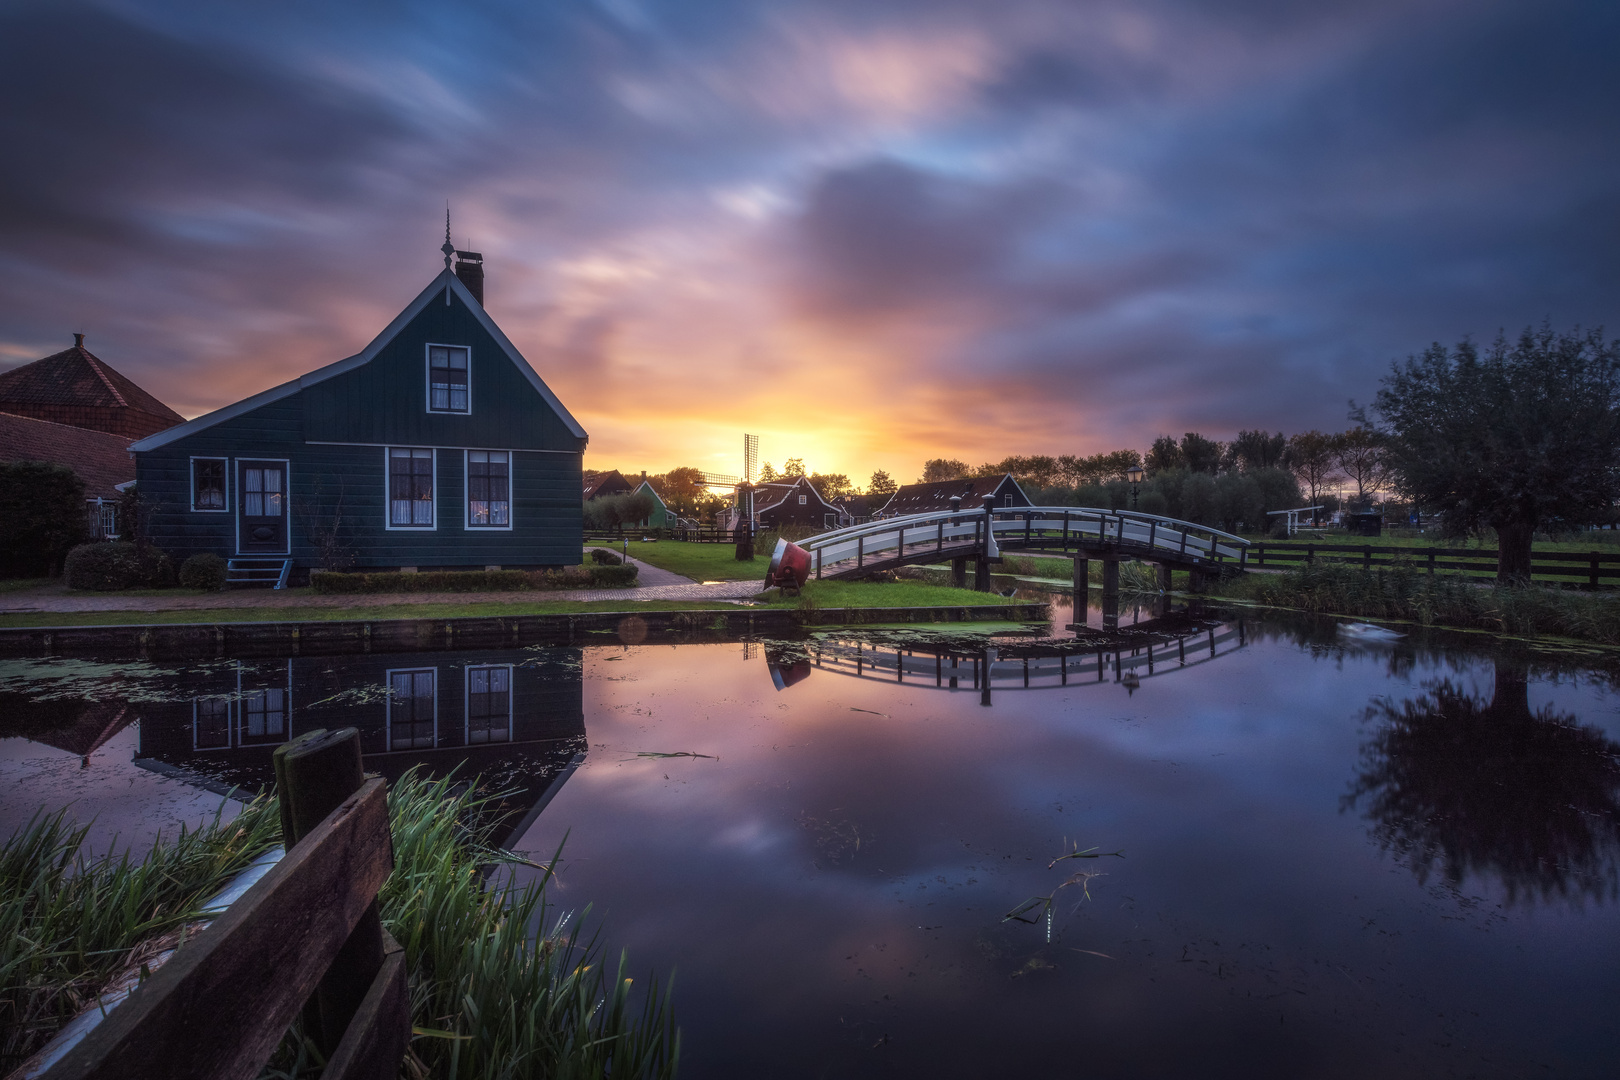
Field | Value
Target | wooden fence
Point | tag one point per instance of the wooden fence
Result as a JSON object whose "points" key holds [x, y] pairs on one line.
{"points": [[305, 937], [1588, 569]]}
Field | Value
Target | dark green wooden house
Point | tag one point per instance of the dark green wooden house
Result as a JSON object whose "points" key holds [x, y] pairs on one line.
{"points": [[435, 447]]}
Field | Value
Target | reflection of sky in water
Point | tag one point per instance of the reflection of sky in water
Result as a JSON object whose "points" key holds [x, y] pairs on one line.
{"points": [[830, 890], [829, 878]]}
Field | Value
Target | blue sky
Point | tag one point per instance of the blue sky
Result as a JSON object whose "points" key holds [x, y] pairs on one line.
{"points": [[872, 232]]}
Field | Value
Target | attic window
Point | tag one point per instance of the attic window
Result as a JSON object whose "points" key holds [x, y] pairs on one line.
{"points": [[803, 499], [448, 367]]}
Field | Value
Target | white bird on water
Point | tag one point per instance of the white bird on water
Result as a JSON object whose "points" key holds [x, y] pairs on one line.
{"points": [[1368, 632]]}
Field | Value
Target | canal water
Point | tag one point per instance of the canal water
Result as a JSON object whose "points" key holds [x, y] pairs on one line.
{"points": [[1320, 853]]}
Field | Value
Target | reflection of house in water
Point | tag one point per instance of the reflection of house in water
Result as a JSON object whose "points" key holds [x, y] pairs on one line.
{"points": [[514, 717], [1003, 664]]}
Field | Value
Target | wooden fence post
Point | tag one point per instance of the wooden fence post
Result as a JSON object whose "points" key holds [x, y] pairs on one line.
{"points": [[314, 774]]}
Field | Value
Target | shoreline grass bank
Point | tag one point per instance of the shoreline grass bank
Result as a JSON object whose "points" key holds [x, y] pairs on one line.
{"points": [[1408, 593], [502, 984]]}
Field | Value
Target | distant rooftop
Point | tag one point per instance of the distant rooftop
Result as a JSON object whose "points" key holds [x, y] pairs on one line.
{"points": [[77, 388]]}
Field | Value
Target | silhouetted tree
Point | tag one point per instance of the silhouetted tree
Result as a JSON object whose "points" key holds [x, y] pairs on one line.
{"points": [[1253, 450], [1524, 434], [1200, 454], [882, 484], [1459, 786], [1359, 454], [1312, 457], [1165, 454], [793, 467], [936, 469], [831, 485]]}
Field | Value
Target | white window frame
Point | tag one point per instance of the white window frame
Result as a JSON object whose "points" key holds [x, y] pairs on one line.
{"points": [[239, 724], [191, 482], [388, 491], [804, 500], [286, 491], [427, 378], [466, 490], [230, 724], [388, 716], [466, 700]]}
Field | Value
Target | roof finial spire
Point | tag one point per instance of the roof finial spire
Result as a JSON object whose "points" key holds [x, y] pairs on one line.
{"points": [[449, 249]]}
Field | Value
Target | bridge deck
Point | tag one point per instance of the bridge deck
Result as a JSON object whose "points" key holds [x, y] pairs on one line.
{"points": [[1065, 530]]}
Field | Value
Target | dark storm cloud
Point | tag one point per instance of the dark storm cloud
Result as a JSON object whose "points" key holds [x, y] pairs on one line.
{"points": [[1107, 218], [102, 113], [1289, 240]]}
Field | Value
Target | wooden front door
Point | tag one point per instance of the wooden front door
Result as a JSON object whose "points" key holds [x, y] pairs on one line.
{"points": [[261, 508]]}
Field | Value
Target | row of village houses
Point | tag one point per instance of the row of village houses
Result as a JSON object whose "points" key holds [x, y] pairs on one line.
{"points": [[795, 501], [435, 446]]}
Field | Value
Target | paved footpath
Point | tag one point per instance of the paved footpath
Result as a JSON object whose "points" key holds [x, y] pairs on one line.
{"points": [[655, 584]]}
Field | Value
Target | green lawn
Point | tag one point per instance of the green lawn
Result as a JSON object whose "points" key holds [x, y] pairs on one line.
{"points": [[701, 562], [398, 610], [823, 594], [838, 594], [1601, 541]]}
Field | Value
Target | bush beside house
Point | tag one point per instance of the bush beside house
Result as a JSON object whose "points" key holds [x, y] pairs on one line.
{"points": [[42, 516]]}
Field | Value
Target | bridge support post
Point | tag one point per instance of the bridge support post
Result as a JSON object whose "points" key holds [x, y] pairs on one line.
{"points": [[1164, 577], [1110, 592], [981, 565], [959, 573], [1196, 580], [1082, 580]]}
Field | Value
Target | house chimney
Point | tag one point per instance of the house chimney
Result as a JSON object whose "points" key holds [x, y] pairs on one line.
{"points": [[470, 269], [78, 341]]}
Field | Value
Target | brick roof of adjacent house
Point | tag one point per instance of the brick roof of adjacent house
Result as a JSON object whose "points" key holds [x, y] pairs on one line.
{"points": [[102, 461], [77, 387], [923, 498]]}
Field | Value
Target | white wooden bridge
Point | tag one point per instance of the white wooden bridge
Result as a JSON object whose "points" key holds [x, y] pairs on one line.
{"points": [[983, 533]]}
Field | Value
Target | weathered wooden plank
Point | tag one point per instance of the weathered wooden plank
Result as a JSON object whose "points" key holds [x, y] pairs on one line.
{"points": [[218, 1009], [381, 1030]]}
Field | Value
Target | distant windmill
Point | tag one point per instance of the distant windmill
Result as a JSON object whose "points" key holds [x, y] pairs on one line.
{"points": [[744, 504]]}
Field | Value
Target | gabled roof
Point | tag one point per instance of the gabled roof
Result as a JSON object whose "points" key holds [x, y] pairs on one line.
{"points": [[102, 461], [77, 378], [780, 491], [651, 491], [922, 498], [605, 484], [446, 280]]}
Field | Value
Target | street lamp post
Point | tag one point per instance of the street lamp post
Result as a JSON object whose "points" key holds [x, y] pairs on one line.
{"points": [[1134, 475]]}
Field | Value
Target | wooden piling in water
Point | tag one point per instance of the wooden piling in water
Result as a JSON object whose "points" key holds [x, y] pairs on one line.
{"points": [[315, 773]]}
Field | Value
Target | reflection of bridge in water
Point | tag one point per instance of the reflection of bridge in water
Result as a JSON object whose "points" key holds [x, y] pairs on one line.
{"points": [[1004, 664]]}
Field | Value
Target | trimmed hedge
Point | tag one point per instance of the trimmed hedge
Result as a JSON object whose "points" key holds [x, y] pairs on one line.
{"points": [[392, 581], [204, 570], [42, 516], [603, 557], [106, 567]]}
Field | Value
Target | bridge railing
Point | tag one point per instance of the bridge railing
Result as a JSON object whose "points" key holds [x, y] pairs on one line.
{"points": [[1145, 535], [1065, 528]]}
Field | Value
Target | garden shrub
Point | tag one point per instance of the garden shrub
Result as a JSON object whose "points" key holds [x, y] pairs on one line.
{"points": [[612, 577], [204, 570], [105, 567], [604, 557], [42, 515]]}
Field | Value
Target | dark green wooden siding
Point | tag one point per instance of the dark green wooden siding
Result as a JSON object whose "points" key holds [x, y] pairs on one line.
{"points": [[385, 401]]}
